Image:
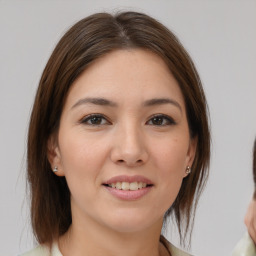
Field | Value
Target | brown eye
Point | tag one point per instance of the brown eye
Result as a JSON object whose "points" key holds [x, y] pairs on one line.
{"points": [[95, 120], [157, 120], [161, 120]]}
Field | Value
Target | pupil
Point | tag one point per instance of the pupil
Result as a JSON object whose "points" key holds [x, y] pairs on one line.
{"points": [[157, 120], [96, 120]]}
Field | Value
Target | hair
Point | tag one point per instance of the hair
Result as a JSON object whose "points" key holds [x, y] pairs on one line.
{"points": [[85, 42]]}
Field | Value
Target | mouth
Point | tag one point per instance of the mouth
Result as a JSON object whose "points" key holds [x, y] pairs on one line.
{"points": [[132, 186], [128, 188]]}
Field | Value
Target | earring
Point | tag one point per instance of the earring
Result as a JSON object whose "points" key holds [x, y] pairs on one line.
{"points": [[55, 169], [188, 170]]}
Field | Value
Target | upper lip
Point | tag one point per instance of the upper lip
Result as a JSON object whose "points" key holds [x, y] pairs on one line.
{"points": [[130, 179]]}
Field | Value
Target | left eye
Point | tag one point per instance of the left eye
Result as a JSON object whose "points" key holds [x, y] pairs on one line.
{"points": [[95, 120], [161, 120]]}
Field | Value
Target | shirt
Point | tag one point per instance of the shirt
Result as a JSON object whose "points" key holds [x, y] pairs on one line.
{"points": [[245, 247], [43, 250]]}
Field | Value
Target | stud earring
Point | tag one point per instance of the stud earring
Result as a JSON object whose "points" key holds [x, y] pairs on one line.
{"points": [[55, 169], [188, 170]]}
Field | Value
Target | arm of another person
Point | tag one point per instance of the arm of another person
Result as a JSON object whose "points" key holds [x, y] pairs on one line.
{"points": [[250, 219], [246, 246]]}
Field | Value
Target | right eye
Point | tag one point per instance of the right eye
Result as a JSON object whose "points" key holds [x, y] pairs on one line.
{"points": [[95, 119]]}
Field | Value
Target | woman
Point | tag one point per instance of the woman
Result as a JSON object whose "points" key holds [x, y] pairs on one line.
{"points": [[246, 246], [118, 140]]}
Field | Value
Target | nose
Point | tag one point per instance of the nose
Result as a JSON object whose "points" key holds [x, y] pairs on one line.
{"points": [[129, 147]]}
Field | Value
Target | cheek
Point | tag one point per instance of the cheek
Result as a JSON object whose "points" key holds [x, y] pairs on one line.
{"points": [[171, 157], [170, 162], [81, 157], [81, 166]]}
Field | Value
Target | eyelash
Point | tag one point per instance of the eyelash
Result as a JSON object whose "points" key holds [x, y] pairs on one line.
{"points": [[87, 120], [168, 120]]}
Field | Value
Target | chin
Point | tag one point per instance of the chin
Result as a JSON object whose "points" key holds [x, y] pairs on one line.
{"points": [[128, 222], [128, 228]]}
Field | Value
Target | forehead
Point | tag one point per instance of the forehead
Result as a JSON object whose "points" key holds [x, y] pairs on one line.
{"points": [[133, 74]]}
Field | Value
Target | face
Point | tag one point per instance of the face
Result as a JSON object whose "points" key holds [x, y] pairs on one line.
{"points": [[123, 142]]}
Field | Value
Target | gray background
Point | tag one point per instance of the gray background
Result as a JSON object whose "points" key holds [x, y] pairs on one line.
{"points": [[221, 38]]}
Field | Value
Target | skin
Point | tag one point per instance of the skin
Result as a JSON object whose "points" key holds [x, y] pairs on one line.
{"points": [[250, 219], [124, 140]]}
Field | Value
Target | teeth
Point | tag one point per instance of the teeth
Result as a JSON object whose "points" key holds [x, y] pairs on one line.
{"points": [[128, 186], [119, 185], [125, 186], [134, 186]]}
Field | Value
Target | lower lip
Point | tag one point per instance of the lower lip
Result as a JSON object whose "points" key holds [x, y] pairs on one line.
{"points": [[129, 194]]}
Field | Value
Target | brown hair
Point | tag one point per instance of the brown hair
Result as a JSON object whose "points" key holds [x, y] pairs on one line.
{"points": [[87, 40]]}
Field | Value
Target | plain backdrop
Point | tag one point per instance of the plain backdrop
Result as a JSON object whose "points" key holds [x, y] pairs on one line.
{"points": [[221, 38]]}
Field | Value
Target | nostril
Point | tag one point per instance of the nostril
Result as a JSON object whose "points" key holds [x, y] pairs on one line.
{"points": [[131, 163]]}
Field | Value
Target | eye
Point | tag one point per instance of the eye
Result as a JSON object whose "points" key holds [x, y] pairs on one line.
{"points": [[95, 119], [160, 120]]}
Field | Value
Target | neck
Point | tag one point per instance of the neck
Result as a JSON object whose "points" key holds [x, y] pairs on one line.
{"points": [[88, 238]]}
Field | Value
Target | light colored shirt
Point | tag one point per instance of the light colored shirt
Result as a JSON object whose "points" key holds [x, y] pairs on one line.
{"points": [[245, 247], [42, 250]]}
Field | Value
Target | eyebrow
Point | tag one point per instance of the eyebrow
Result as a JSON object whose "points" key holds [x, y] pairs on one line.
{"points": [[162, 101], [95, 101], [105, 102]]}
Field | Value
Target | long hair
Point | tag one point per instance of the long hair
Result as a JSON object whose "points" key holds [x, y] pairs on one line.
{"points": [[85, 42]]}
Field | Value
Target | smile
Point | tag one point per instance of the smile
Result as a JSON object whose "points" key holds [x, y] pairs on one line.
{"points": [[128, 185]]}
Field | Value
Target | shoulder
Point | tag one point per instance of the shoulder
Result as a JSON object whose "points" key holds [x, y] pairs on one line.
{"points": [[172, 249], [245, 246], [38, 251], [43, 250]]}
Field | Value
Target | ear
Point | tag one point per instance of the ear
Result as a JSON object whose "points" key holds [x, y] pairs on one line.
{"points": [[54, 155], [191, 153]]}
